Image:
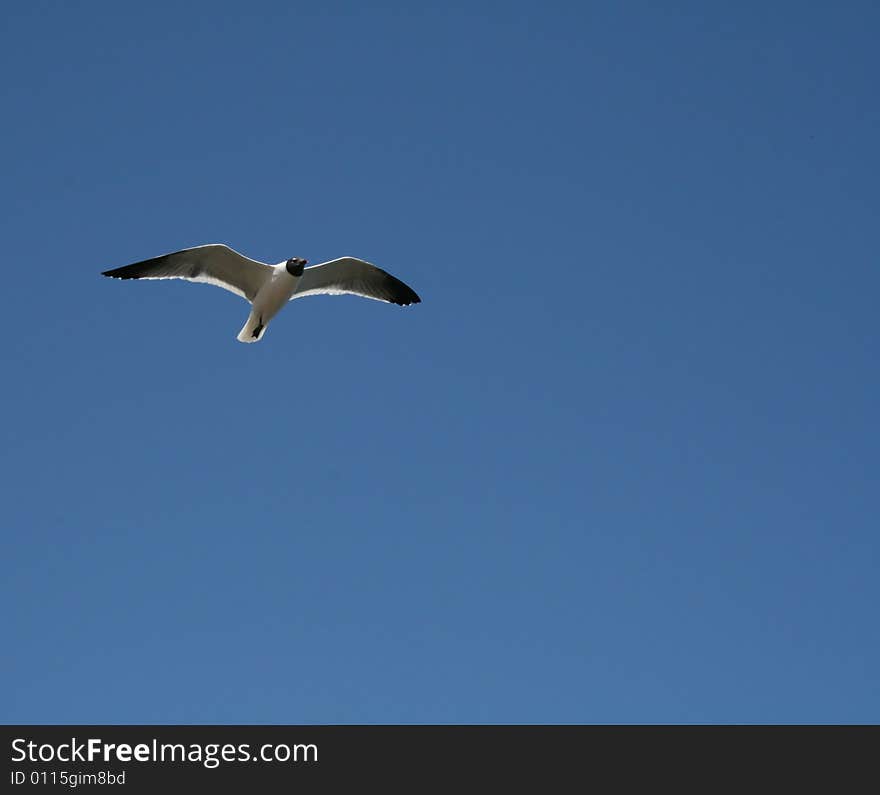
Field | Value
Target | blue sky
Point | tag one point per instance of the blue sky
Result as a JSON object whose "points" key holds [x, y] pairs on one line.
{"points": [[619, 466]]}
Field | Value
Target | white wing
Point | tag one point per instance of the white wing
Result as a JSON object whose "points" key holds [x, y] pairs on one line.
{"points": [[354, 277], [212, 264]]}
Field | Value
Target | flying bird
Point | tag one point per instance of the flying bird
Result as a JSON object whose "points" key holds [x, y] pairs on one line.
{"points": [[270, 287]]}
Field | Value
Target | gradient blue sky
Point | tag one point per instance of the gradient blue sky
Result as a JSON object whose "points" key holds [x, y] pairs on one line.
{"points": [[620, 466]]}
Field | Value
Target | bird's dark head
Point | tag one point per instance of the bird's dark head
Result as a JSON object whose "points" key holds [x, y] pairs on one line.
{"points": [[295, 266]]}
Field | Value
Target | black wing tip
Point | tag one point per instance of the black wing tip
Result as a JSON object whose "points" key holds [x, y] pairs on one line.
{"points": [[401, 293], [125, 272], [405, 299], [137, 270]]}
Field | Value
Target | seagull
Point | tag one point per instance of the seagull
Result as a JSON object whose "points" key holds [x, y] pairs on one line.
{"points": [[270, 287]]}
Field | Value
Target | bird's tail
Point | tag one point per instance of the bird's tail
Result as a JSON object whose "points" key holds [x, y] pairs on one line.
{"points": [[253, 330]]}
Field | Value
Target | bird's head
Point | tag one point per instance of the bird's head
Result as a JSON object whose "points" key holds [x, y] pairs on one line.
{"points": [[295, 266]]}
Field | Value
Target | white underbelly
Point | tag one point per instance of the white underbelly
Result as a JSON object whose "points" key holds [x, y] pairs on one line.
{"points": [[274, 294]]}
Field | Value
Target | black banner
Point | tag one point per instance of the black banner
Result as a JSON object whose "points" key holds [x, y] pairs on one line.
{"points": [[314, 758]]}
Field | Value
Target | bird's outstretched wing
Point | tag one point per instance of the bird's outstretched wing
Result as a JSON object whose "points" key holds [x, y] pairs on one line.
{"points": [[355, 277], [212, 264]]}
